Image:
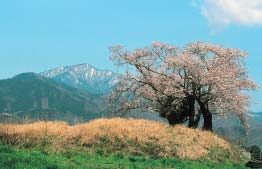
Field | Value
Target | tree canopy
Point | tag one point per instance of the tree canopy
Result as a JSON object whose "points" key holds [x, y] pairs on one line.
{"points": [[183, 84]]}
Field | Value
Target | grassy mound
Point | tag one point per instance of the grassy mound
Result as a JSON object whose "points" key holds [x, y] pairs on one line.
{"points": [[136, 137]]}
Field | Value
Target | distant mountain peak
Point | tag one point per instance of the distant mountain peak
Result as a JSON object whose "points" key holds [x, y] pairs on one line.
{"points": [[84, 77]]}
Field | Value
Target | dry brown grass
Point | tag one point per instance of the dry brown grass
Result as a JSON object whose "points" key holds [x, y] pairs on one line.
{"points": [[131, 134]]}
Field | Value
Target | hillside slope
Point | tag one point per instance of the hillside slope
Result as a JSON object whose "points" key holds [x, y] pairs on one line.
{"points": [[37, 97]]}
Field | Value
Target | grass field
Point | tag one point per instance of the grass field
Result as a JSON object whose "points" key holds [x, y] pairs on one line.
{"points": [[21, 158]]}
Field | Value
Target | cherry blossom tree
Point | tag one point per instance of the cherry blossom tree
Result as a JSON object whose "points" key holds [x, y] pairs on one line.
{"points": [[174, 81]]}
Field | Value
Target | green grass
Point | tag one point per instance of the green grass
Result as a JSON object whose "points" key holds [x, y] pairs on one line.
{"points": [[21, 158]]}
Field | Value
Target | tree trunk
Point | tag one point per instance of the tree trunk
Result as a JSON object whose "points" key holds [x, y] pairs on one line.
{"points": [[172, 119], [175, 118], [207, 116], [198, 116], [191, 111], [207, 121]]}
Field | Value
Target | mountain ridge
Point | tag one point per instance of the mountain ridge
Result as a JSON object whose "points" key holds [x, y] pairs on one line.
{"points": [[84, 77], [34, 96]]}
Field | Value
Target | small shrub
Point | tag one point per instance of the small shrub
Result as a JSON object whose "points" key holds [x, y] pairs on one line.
{"points": [[100, 152], [132, 159], [119, 156], [52, 167]]}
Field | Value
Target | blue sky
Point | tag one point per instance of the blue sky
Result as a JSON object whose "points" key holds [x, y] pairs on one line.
{"points": [[43, 34]]}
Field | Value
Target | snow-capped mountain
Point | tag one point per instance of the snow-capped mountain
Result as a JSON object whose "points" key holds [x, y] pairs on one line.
{"points": [[84, 77]]}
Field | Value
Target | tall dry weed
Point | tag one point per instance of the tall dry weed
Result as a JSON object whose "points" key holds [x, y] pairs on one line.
{"points": [[132, 134]]}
